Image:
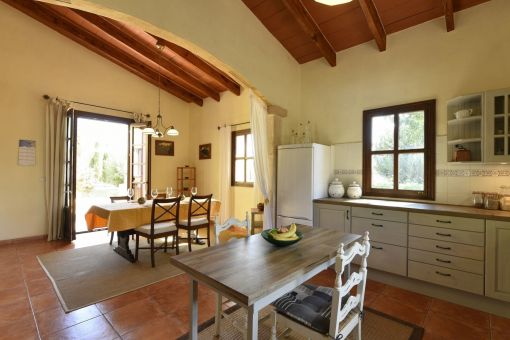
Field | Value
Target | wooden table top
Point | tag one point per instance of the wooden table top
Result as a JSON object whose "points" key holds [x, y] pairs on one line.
{"points": [[257, 211], [249, 269], [424, 208]]}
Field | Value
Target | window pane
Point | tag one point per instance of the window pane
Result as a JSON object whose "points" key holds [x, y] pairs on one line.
{"points": [[411, 130], [411, 171], [249, 145], [239, 177], [240, 146], [383, 133], [137, 136], [382, 171], [250, 172]]}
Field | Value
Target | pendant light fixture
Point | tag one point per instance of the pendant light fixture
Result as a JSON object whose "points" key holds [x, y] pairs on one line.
{"points": [[333, 2], [160, 130]]}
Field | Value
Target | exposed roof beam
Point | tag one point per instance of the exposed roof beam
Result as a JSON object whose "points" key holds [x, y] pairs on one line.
{"points": [[203, 66], [374, 23], [147, 52], [448, 15], [311, 28], [54, 21]]}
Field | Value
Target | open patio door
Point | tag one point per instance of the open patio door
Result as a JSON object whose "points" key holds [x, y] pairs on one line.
{"points": [[69, 180]]}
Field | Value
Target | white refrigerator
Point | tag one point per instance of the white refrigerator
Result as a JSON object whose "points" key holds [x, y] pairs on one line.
{"points": [[304, 172]]}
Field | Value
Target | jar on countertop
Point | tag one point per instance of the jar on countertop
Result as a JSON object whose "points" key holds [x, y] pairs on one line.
{"points": [[336, 189], [354, 190], [477, 199]]}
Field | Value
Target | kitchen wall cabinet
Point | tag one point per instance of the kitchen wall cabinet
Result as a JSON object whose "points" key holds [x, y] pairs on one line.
{"points": [[497, 278], [497, 126], [335, 217]]}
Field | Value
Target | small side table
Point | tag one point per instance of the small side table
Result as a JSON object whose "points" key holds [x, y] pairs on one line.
{"points": [[256, 224]]}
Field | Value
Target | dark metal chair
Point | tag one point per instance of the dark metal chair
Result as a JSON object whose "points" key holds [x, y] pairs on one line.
{"points": [[163, 225], [198, 218]]}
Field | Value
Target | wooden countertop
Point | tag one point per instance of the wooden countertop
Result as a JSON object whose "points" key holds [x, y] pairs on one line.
{"points": [[424, 208]]}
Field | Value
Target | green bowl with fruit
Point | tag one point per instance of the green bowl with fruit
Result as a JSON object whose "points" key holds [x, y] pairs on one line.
{"points": [[268, 236]]}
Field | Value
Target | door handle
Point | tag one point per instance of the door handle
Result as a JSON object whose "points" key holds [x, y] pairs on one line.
{"points": [[445, 248], [443, 261], [439, 234], [377, 225], [347, 211], [443, 274], [443, 221], [377, 214], [380, 248]]}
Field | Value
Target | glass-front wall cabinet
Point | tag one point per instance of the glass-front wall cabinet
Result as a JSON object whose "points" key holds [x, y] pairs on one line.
{"points": [[497, 146]]}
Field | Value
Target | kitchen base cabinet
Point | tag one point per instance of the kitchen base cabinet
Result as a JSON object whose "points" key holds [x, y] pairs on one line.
{"points": [[386, 257], [497, 278], [334, 217]]}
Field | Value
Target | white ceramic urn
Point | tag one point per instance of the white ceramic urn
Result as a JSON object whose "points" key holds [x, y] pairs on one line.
{"points": [[336, 189], [354, 190]]}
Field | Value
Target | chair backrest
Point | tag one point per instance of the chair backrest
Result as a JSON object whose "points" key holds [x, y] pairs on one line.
{"points": [[114, 199], [339, 312], [218, 228], [166, 214], [199, 206]]}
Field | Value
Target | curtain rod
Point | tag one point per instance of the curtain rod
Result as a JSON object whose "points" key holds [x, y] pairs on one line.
{"points": [[225, 125], [45, 96]]}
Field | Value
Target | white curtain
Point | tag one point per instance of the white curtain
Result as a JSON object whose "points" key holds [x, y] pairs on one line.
{"points": [[225, 175], [56, 112], [258, 121]]}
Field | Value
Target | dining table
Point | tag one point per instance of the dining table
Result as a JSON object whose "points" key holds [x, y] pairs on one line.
{"points": [[253, 272], [124, 217]]}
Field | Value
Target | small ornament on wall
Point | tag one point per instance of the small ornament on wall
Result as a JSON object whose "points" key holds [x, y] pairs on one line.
{"points": [[204, 151], [26, 154], [164, 148]]}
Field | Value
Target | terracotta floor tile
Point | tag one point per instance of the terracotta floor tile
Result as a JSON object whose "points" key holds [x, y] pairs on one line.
{"points": [[206, 290], [54, 320], [500, 335], [8, 249], [448, 328], [499, 323], [45, 302], [121, 301], [326, 278], [176, 297], [161, 286], [14, 311], [183, 277], [34, 248], [206, 310], [16, 293], [408, 297], [399, 310], [168, 327], [10, 268], [9, 258], [428, 336], [138, 314], [11, 280], [461, 313], [31, 265], [36, 274], [23, 329], [95, 329], [39, 287], [374, 286], [370, 298]]}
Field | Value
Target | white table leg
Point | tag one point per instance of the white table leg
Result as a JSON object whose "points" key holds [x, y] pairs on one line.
{"points": [[193, 311], [253, 323]]}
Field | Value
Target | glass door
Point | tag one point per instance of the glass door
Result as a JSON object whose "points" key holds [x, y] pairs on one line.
{"points": [[498, 126], [140, 161], [69, 180]]}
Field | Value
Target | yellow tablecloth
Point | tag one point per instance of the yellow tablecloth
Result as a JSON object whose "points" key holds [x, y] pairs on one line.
{"points": [[124, 216]]}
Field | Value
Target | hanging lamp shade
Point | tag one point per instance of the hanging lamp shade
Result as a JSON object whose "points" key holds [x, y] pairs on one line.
{"points": [[333, 2], [148, 131], [172, 132]]}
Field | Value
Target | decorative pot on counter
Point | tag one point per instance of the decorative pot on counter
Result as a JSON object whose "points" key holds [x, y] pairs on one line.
{"points": [[354, 190], [336, 189]]}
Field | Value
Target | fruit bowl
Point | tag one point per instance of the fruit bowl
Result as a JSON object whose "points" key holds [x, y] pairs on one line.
{"points": [[279, 243]]}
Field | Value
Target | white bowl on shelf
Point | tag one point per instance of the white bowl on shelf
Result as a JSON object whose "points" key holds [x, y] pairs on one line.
{"points": [[463, 113]]}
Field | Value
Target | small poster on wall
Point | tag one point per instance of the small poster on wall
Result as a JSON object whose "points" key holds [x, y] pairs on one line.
{"points": [[26, 155], [204, 151], [164, 148]]}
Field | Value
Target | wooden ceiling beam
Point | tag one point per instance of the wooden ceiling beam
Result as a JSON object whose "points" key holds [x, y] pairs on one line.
{"points": [[448, 15], [147, 52], [305, 20], [46, 16], [374, 23], [202, 65]]}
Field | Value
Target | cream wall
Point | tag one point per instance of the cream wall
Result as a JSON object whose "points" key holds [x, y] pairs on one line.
{"points": [[35, 60], [420, 63]]}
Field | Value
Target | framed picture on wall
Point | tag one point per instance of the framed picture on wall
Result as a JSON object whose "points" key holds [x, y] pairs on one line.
{"points": [[204, 151], [164, 148]]}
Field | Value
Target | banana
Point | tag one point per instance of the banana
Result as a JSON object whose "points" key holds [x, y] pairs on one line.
{"points": [[289, 233]]}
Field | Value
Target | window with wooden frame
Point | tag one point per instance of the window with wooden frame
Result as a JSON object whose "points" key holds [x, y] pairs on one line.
{"points": [[399, 151], [243, 173]]}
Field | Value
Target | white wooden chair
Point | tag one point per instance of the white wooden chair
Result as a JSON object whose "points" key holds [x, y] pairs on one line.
{"points": [[218, 228], [344, 318]]}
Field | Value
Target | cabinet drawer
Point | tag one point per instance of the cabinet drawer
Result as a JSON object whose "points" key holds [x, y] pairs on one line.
{"points": [[450, 222], [385, 257], [447, 261], [448, 248], [380, 214], [381, 231], [446, 277], [449, 235]]}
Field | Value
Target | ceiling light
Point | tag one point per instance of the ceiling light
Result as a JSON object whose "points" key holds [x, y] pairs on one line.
{"points": [[333, 2]]}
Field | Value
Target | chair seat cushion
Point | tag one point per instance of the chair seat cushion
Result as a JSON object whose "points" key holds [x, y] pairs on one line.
{"points": [[194, 221], [310, 305], [227, 235], [159, 228]]}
